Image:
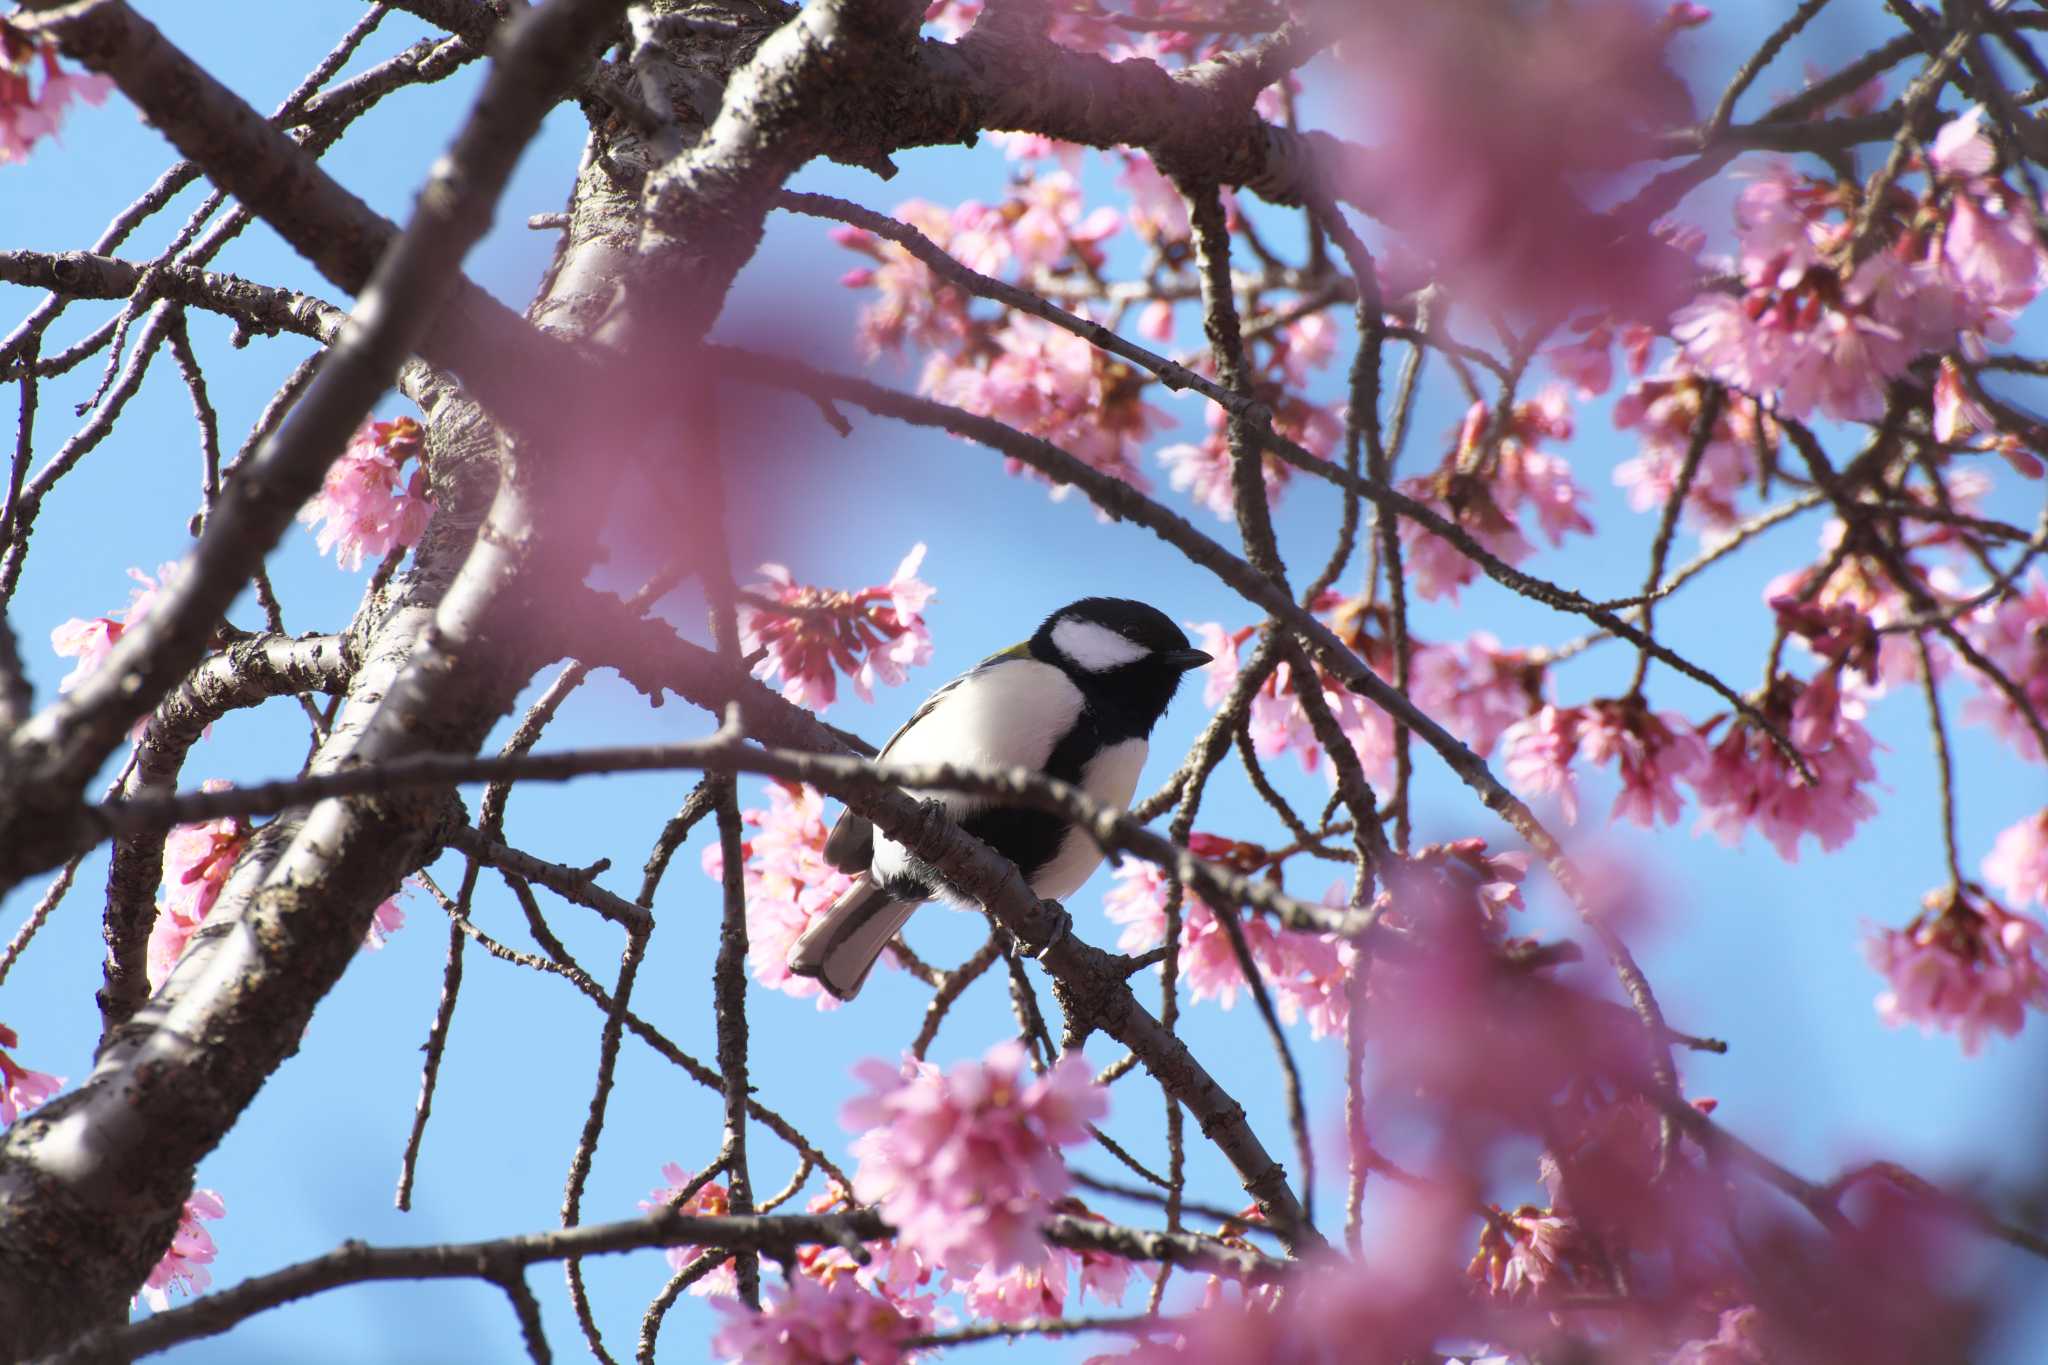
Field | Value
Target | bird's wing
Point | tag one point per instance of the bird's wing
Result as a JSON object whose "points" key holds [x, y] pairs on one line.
{"points": [[850, 846]]}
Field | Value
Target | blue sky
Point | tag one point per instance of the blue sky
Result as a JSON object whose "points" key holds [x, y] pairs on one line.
{"points": [[1745, 947]]}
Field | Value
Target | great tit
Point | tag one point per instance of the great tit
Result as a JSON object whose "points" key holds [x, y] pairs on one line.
{"points": [[1075, 701]]}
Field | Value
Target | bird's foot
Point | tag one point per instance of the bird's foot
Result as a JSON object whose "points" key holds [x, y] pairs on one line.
{"points": [[1063, 924]]}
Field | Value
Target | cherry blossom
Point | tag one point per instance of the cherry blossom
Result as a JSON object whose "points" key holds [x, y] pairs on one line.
{"points": [[361, 509], [1965, 965], [1664, 411], [197, 861], [710, 1200], [809, 634], [1485, 484], [1051, 383], [91, 641], [1529, 1251], [966, 1162], [2018, 861], [183, 1267], [1038, 1288], [2013, 634], [1748, 783], [27, 115], [788, 884], [1734, 1343], [1476, 688], [1817, 326], [21, 1089], [1651, 750], [807, 1321]]}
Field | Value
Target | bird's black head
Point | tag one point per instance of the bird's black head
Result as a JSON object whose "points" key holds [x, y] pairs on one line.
{"points": [[1127, 658]]}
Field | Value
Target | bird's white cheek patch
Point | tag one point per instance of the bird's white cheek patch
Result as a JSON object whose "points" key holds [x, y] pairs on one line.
{"points": [[1095, 648]]}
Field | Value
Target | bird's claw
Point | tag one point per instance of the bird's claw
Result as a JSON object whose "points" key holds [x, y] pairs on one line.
{"points": [[1063, 924]]}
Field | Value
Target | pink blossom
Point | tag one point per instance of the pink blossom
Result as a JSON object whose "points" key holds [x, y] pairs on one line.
{"points": [[1157, 211], [868, 634], [1966, 965], [197, 861], [21, 1089], [1038, 1288], [1529, 1252], [2013, 634], [1664, 411], [1748, 783], [1051, 383], [91, 641], [1736, 1343], [26, 115], [711, 1200], [1956, 413], [788, 883], [1476, 689], [184, 1265], [813, 1322], [1306, 974], [1489, 126], [1652, 752], [1538, 757], [966, 1163], [2018, 861], [1485, 484], [361, 508]]}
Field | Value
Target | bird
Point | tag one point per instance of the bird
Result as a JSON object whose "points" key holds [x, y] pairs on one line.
{"points": [[1076, 701]]}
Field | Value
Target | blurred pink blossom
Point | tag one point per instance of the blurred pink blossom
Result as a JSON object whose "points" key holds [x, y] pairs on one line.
{"points": [[1038, 1288], [183, 1266], [362, 510], [788, 884], [1476, 688], [809, 634], [966, 1162], [2018, 861], [26, 114]]}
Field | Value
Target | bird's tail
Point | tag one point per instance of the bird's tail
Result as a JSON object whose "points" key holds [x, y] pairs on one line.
{"points": [[840, 947]]}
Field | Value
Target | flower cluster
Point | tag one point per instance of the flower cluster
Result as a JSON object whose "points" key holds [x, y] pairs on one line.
{"points": [[2012, 634], [807, 636], [711, 1199], [1529, 1251], [966, 1162], [1665, 412], [362, 509], [28, 114], [815, 1322], [1651, 750], [21, 1089], [2018, 861], [1826, 318], [197, 861], [1486, 483], [1018, 369], [1281, 359], [788, 883], [1965, 965], [1305, 973], [1749, 782], [89, 642], [183, 1266]]}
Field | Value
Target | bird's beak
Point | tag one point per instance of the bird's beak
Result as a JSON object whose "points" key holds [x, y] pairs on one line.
{"points": [[1184, 659]]}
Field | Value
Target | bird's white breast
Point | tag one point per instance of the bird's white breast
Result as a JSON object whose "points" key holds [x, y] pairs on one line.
{"points": [[1110, 777], [1011, 714]]}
